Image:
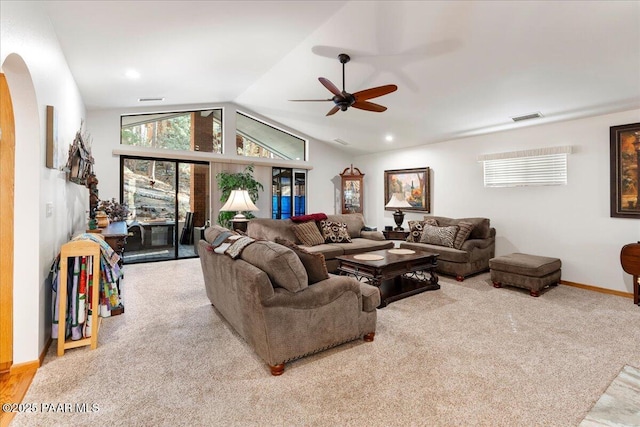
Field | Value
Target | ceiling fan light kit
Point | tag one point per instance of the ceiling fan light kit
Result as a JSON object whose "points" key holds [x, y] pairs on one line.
{"points": [[343, 99]]}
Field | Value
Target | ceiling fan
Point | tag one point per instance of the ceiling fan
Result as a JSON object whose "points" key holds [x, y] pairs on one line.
{"points": [[343, 99]]}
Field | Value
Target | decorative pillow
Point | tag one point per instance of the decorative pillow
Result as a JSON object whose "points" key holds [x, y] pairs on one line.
{"points": [[465, 229], [281, 264], [442, 236], [415, 229], [309, 217], [308, 233], [314, 263], [335, 232]]}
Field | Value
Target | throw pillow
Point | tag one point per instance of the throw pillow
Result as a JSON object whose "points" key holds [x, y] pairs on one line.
{"points": [[308, 233], [415, 229], [309, 217], [465, 229], [442, 236], [335, 232], [314, 263]]}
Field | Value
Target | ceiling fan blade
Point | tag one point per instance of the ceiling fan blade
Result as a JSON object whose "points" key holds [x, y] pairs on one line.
{"points": [[332, 88], [369, 106], [374, 92], [333, 110], [310, 100]]}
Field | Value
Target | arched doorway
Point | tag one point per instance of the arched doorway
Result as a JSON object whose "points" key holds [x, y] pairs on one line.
{"points": [[7, 174], [19, 108]]}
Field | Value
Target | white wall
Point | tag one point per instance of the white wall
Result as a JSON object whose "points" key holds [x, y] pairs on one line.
{"points": [[325, 160], [570, 222], [38, 75]]}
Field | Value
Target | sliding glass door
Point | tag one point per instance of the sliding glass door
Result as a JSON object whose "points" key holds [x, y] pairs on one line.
{"points": [[169, 205]]}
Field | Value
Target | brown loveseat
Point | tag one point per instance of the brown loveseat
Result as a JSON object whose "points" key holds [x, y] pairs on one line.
{"points": [[361, 240], [473, 253], [265, 296]]}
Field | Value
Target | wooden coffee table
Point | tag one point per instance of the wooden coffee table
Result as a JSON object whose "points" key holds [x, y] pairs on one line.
{"points": [[397, 275]]}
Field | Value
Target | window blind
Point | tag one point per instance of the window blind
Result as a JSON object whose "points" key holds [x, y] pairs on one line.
{"points": [[526, 168]]}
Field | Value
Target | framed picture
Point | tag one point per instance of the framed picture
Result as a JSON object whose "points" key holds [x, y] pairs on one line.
{"points": [[51, 159], [413, 184], [625, 171]]}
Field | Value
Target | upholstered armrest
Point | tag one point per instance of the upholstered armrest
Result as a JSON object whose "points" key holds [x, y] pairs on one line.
{"points": [[372, 235], [477, 243], [316, 295]]}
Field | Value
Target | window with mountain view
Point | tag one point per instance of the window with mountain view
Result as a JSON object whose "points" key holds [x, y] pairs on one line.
{"points": [[185, 130]]}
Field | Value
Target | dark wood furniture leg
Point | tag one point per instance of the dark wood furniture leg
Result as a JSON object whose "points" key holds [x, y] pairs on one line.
{"points": [[369, 337], [277, 369]]}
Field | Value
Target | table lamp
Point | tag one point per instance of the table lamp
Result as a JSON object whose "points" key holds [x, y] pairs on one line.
{"points": [[398, 201], [239, 201]]}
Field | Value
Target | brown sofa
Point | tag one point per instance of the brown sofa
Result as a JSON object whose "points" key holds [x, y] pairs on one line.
{"points": [[265, 295], [474, 254], [361, 240]]}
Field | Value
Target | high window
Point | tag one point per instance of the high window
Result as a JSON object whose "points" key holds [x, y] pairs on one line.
{"points": [[545, 166], [186, 130], [258, 139]]}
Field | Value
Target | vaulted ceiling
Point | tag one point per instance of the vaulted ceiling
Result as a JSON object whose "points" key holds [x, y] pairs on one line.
{"points": [[462, 67]]}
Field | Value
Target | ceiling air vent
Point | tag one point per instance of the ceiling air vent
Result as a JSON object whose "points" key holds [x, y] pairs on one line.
{"points": [[526, 117], [150, 99], [340, 141]]}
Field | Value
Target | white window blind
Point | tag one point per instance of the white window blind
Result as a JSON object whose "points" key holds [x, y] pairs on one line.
{"points": [[546, 166]]}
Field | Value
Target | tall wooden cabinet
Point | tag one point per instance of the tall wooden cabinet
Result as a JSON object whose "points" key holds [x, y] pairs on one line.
{"points": [[352, 190]]}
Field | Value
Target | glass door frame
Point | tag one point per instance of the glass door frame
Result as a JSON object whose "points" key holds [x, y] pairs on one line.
{"points": [[176, 228]]}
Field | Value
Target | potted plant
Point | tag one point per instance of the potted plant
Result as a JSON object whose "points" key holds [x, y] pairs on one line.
{"points": [[244, 180]]}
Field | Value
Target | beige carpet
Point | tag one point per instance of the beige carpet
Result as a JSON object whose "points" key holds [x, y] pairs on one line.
{"points": [[465, 355]]}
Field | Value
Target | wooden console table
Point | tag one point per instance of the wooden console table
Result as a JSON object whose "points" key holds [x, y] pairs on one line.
{"points": [[115, 234], [396, 275]]}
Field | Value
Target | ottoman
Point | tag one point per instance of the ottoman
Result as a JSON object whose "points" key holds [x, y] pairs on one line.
{"points": [[526, 271]]}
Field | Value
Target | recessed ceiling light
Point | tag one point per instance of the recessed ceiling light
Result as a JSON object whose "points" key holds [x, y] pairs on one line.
{"points": [[132, 74], [388, 138]]}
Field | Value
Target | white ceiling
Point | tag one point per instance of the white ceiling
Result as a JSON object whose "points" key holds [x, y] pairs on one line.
{"points": [[462, 68]]}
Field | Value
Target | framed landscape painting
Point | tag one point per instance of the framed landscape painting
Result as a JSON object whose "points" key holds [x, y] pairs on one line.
{"points": [[625, 174], [413, 184]]}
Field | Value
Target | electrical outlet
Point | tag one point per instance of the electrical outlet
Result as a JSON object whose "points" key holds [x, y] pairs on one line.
{"points": [[49, 209]]}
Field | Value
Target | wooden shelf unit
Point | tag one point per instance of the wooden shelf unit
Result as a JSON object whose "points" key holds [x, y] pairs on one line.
{"points": [[76, 248]]}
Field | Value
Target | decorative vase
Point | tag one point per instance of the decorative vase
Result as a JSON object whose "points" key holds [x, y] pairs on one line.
{"points": [[102, 218]]}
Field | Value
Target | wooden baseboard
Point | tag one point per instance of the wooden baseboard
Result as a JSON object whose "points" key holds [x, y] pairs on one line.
{"points": [[24, 367], [597, 289]]}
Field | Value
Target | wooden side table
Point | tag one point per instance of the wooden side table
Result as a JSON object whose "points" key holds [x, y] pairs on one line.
{"points": [[395, 235], [240, 225]]}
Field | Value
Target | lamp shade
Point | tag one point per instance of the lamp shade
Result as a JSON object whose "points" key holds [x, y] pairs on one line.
{"points": [[397, 200], [239, 200]]}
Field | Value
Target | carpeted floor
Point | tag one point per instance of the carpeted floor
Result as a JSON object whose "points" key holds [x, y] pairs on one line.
{"points": [[465, 355]]}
